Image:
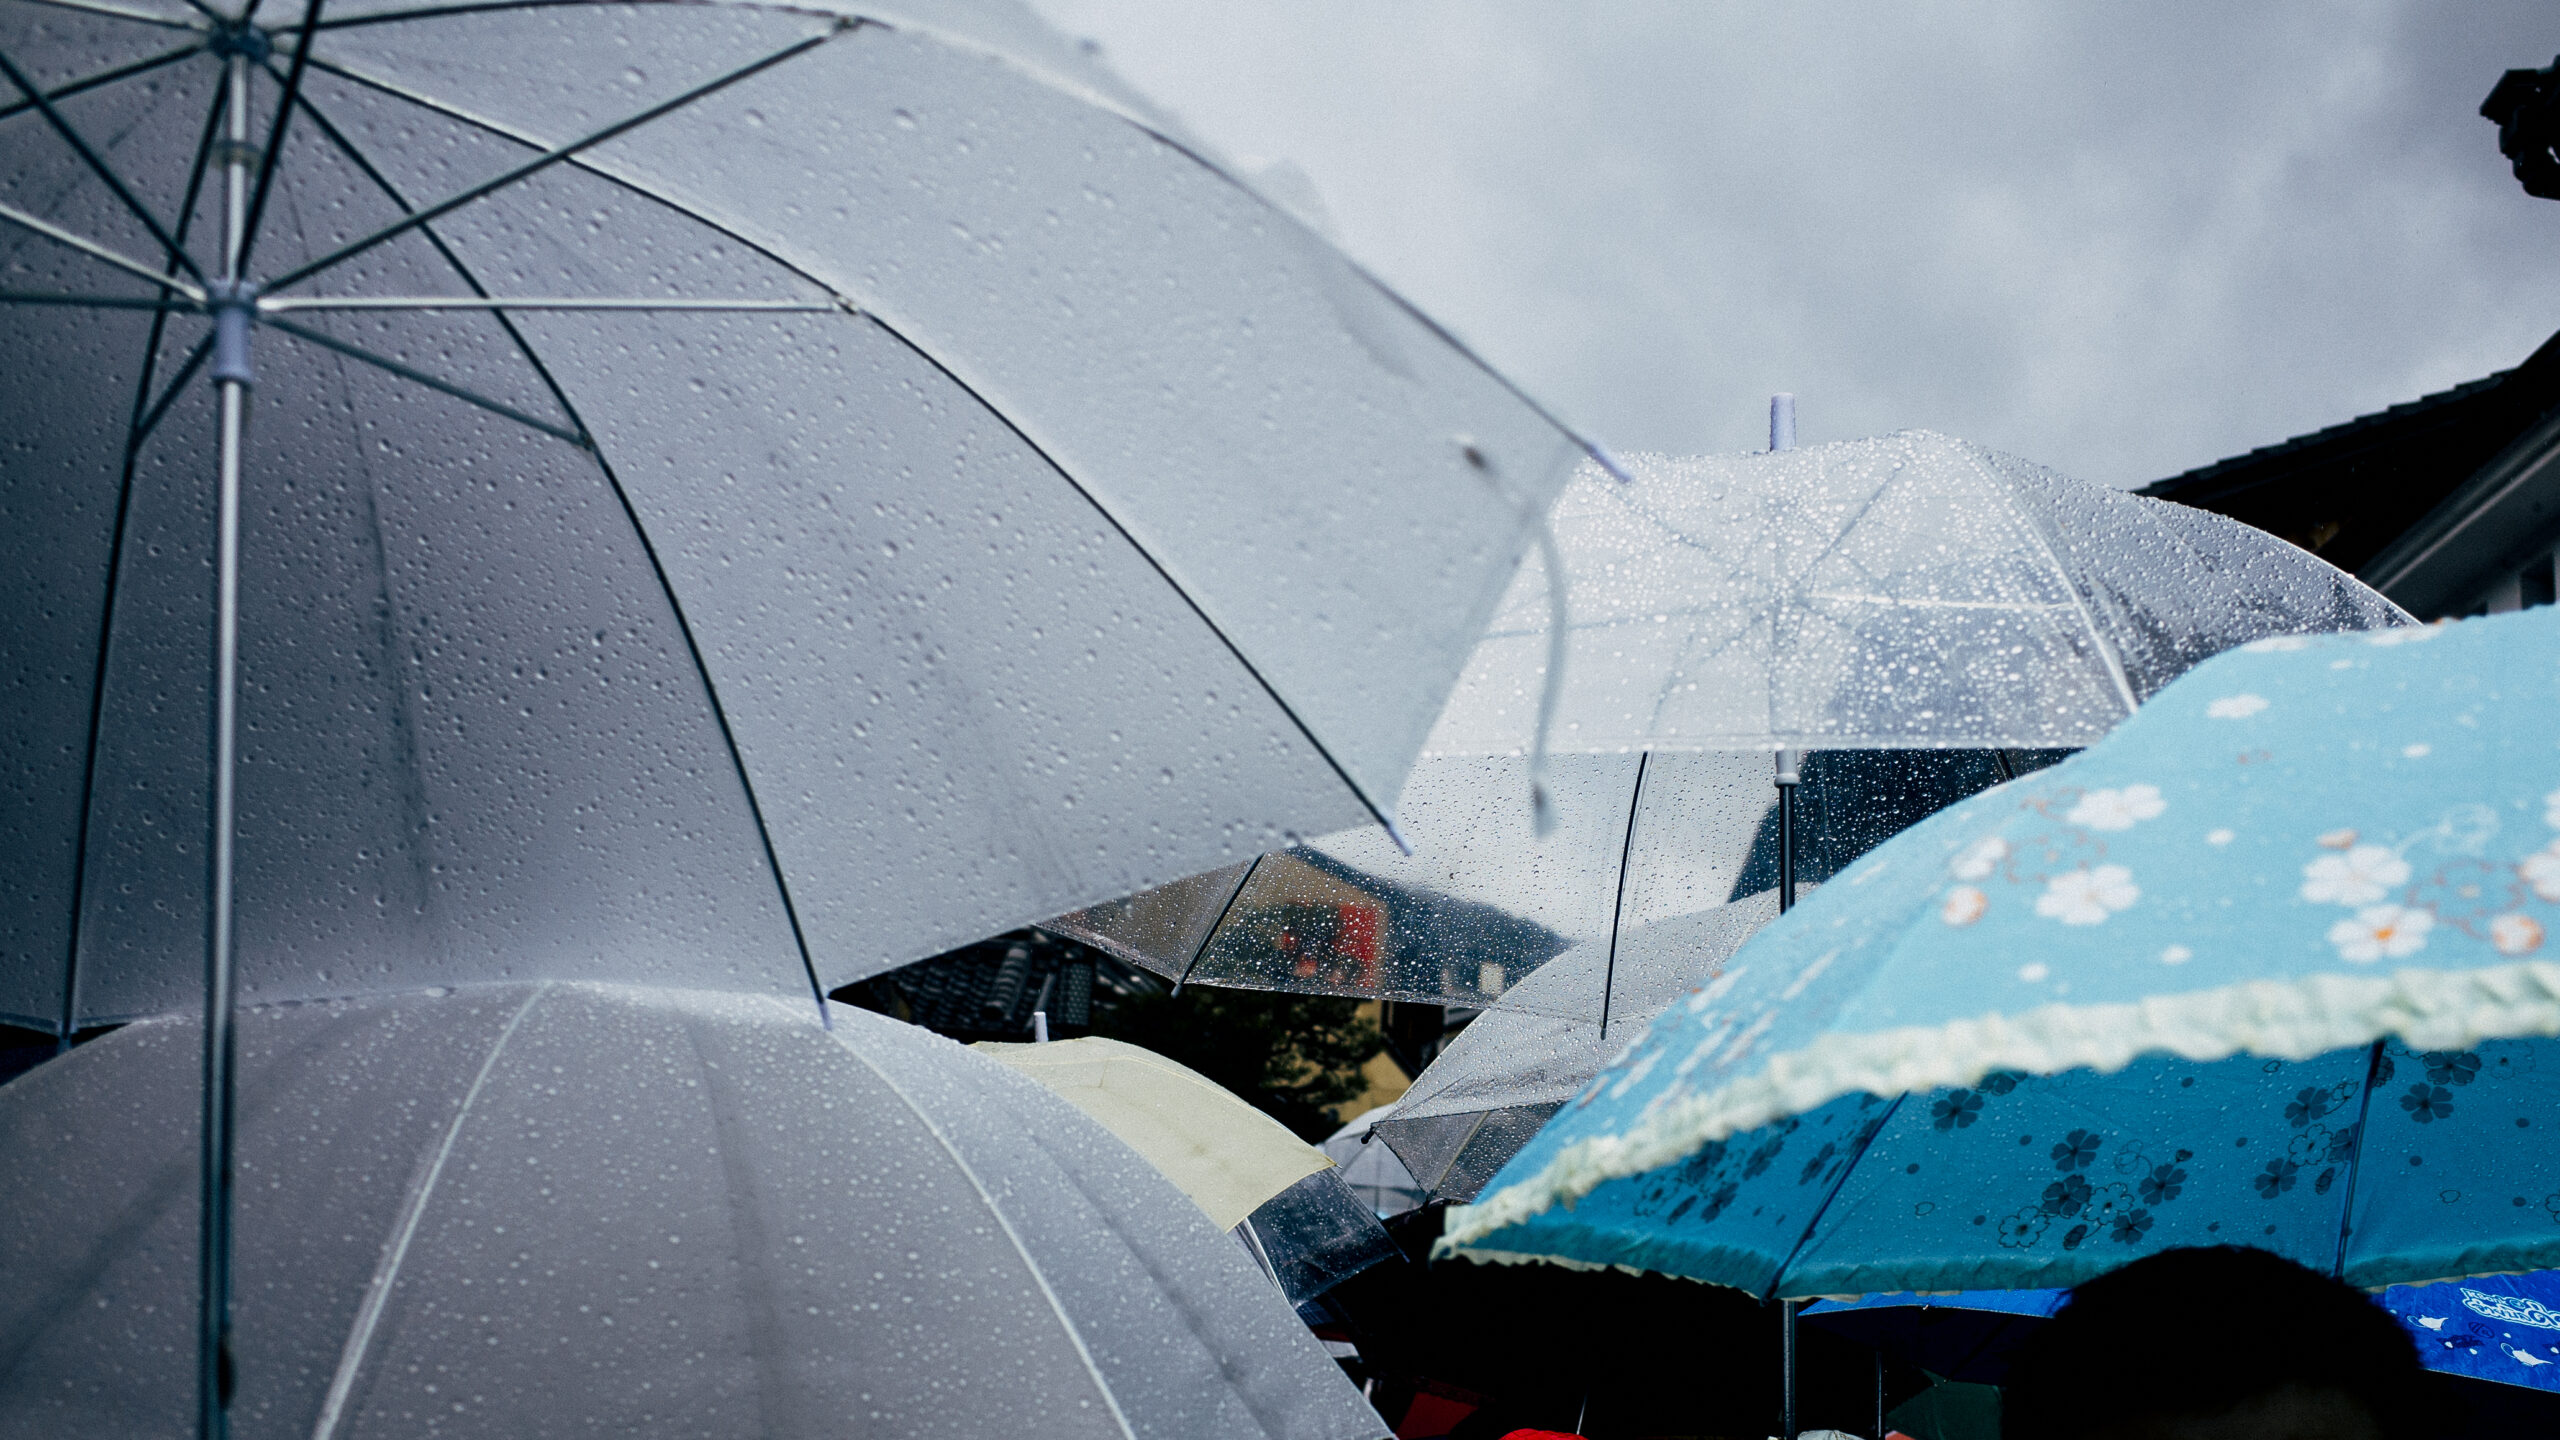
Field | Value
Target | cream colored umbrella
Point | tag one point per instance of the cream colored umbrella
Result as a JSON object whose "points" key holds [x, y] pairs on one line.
{"points": [[1227, 1156]]}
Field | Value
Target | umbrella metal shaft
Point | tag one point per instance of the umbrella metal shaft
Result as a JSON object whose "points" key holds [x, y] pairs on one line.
{"points": [[1789, 773], [213, 1359], [1787, 1368]]}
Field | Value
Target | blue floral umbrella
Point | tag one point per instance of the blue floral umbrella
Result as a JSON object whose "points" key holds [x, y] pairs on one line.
{"points": [[2263, 966]]}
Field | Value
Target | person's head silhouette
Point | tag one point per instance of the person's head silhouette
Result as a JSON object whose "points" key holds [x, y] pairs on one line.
{"points": [[2225, 1343]]}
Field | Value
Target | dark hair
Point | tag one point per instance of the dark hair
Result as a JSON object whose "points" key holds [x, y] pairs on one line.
{"points": [[2127, 1350]]}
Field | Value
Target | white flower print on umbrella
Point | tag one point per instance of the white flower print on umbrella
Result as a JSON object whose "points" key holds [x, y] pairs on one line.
{"points": [[1977, 860], [2380, 931], [2361, 876], [2541, 870], [2088, 896], [2117, 809], [1964, 905], [2515, 933], [2236, 707], [2551, 809], [2404, 635]]}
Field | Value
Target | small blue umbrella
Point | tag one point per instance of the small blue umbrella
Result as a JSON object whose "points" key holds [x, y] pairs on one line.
{"points": [[2500, 1328], [2260, 968]]}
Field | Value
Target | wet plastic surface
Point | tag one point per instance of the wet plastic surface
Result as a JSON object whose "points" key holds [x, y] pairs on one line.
{"points": [[1909, 590], [1485, 901], [1100, 526], [583, 1209]]}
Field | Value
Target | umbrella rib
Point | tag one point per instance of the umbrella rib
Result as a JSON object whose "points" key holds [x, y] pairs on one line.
{"points": [[1199, 611], [97, 164], [545, 161], [2097, 637], [1004, 1222], [104, 77], [1590, 448], [1618, 909], [405, 372], [139, 422], [1848, 1163], [674, 304], [648, 547], [276, 132], [2355, 1162], [1376, 811], [91, 302], [436, 12], [1211, 933], [96, 251], [1457, 1154], [404, 1229], [177, 384], [119, 12]]}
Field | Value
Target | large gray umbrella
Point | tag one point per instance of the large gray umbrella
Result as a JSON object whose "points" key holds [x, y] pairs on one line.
{"points": [[1026, 514], [738, 495], [560, 1209]]}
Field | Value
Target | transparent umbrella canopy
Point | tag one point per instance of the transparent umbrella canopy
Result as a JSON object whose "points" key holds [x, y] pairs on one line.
{"points": [[728, 495], [737, 495], [575, 1208], [1909, 590], [1485, 900], [1518, 1063]]}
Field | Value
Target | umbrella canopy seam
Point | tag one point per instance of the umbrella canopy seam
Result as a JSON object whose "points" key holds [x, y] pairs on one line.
{"points": [[995, 1212], [404, 1229], [119, 12], [2097, 636]]}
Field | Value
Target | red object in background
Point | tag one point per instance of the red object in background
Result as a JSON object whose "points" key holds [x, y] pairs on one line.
{"points": [[1355, 937], [1542, 1435], [1435, 1411]]}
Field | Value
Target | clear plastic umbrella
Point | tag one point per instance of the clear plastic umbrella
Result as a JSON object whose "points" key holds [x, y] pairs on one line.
{"points": [[1906, 590], [1485, 900], [1518, 1063], [737, 495], [1370, 1168], [574, 1208]]}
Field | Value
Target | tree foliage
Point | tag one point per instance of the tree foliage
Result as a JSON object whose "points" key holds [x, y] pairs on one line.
{"points": [[1295, 1057]]}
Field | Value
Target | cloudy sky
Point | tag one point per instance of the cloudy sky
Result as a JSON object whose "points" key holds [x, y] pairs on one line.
{"points": [[2119, 239]]}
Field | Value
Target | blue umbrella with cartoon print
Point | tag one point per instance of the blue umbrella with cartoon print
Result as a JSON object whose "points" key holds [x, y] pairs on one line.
{"points": [[2500, 1328], [2266, 966]]}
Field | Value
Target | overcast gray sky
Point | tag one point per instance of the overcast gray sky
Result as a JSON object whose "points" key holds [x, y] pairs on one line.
{"points": [[2119, 239]]}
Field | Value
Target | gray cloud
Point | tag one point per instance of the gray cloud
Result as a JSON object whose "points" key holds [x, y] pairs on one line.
{"points": [[2117, 239]]}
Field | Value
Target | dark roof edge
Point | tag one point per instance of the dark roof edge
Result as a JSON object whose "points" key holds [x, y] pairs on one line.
{"points": [[2487, 498], [2205, 474], [2540, 369]]}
